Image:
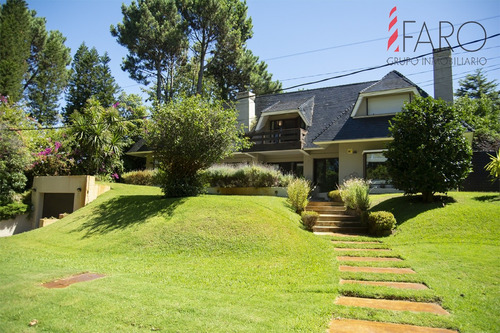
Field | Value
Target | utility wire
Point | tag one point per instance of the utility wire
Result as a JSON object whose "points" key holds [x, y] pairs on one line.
{"points": [[298, 85], [381, 66], [355, 43]]}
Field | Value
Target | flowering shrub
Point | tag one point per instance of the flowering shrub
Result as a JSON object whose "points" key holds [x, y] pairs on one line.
{"points": [[53, 160]]}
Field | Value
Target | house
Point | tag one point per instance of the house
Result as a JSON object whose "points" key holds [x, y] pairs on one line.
{"points": [[329, 134]]}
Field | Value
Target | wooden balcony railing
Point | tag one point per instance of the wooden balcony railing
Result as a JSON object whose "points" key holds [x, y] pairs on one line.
{"points": [[283, 139]]}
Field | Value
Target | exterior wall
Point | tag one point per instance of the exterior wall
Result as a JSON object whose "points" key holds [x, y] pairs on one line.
{"points": [[20, 223], [246, 109], [351, 161], [84, 188]]}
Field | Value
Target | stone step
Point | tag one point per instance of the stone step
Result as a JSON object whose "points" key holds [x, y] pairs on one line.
{"points": [[342, 233], [347, 258], [365, 326], [324, 203], [337, 217], [327, 210], [391, 305], [340, 230], [339, 224], [391, 270], [399, 285], [353, 242], [358, 249]]}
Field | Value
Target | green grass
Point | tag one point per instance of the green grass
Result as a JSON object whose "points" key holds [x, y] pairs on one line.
{"points": [[204, 264], [243, 264], [453, 245]]}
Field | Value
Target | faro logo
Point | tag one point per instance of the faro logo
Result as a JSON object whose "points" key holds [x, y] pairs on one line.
{"points": [[445, 38]]}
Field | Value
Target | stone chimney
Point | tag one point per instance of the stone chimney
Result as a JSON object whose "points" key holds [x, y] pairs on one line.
{"points": [[443, 78], [245, 104]]}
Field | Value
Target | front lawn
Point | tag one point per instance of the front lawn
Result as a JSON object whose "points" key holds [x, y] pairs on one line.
{"points": [[454, 245], [204, 264]]}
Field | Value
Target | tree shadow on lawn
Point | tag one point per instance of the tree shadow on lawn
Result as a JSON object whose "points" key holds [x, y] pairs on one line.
{"points": [[125, 211], [488, 198], [407, 207]]}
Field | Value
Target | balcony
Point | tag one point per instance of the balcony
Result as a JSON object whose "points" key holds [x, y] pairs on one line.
{"points": [[283, 139]]}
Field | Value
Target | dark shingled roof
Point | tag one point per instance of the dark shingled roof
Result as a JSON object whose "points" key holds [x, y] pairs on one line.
{"points": [[330, 106], [393, 80], [331, 111]]}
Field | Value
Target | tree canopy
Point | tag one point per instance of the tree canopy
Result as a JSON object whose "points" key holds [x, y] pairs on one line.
{"points": [[33, 61], [477, 85], [90, 78], [188, 135], [191, 46], [429, 152]]}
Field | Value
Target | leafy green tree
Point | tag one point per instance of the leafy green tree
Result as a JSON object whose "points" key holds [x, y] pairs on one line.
{"points": [[47, 74], [429, 152], [246, 73], [218, 27], [189, 135], [156, 38], [15, 37], [32, 61], [484, 116], [90, 78], [14, 154], [100, 135], [476, 85]]}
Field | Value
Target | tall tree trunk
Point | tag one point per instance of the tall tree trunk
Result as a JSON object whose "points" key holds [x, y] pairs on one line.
{"points": [[203, 52], [158, 82]]}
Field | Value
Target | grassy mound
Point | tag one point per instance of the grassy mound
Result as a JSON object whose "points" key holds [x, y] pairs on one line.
{"points": [[210, 264]]}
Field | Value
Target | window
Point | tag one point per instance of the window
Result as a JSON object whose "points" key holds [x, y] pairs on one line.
{"points": [[376, 169], [326, 173], [295, 168]]}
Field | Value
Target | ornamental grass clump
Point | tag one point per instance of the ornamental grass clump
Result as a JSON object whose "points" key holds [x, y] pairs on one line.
{"points": [[355, 194], [141, 177], [298, 192]]}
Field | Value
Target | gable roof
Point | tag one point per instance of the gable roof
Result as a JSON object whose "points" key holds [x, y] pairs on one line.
{"points": [[329, 105], [392, 81], [331, 109]]}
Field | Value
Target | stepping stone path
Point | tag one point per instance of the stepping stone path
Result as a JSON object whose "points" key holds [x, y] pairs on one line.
{"points": [[327, 225]]}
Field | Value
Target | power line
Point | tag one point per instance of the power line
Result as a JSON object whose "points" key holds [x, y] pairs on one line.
{"points": [[382, 66], [303, 84], [355, 43]]}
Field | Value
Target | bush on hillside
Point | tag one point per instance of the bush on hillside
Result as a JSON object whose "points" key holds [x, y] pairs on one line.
{"points": [[298, 192], [381, 223], [355, 194], [335, 196], [309, 219], [244, 175], [12, 210], [141, 177]]}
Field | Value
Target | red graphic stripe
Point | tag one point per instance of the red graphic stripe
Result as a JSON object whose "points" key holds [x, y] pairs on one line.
{"points": [[392, 39], [392, 11], [394, 21]]}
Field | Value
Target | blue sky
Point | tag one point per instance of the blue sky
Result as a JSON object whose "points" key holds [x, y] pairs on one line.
{"points": [[308, 40]]}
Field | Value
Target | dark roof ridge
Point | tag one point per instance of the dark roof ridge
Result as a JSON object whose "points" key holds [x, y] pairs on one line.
{"points": [[316, 89]]}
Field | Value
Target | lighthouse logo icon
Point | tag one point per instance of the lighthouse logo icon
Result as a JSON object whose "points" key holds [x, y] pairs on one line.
{"points": [[393, 19]]}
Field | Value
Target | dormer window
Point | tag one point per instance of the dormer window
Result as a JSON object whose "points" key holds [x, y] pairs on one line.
{"points": [[386, 104]]}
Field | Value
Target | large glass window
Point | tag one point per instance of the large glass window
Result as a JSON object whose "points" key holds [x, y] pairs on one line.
{"points": [[326, 173], [295, 168], [376, 169]]}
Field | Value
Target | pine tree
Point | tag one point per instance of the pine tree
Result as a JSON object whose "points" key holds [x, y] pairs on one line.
{"points": [[90, 77]]}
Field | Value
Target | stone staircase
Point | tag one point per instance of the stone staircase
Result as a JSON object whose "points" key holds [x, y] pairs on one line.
{"points": [[334, 219]]}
